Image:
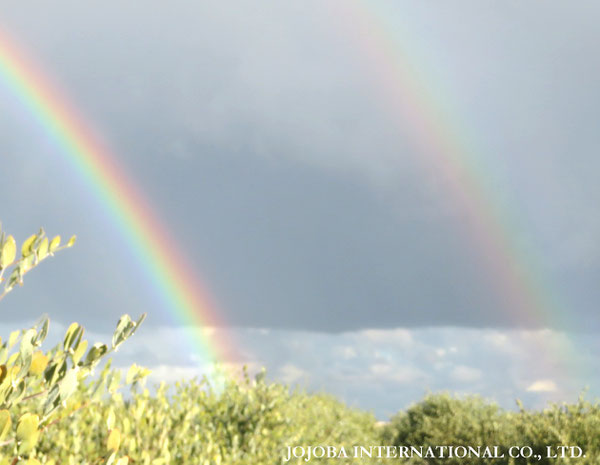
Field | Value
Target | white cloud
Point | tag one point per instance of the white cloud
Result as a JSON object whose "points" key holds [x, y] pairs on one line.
{"points": [[543, 385], [404, 374], [290, 373], [380, 369], [358, 365], [345, 352], [171, 373], [399, 337], [465, 374], [497, 339]]}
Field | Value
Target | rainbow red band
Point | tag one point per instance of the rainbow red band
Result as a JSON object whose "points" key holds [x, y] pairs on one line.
{"points": [[171, 276], [444, 149]]}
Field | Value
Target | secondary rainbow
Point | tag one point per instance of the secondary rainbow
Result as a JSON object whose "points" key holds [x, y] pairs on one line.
{"points": [[171, 276], [447, 149]]}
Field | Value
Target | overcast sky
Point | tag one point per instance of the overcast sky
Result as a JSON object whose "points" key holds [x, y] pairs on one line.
{"points": [[267, 137]]}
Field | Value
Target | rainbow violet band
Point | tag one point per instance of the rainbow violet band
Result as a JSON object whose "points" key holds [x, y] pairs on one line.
{"points": [[175, 283], [517, 274], [450, 151]]}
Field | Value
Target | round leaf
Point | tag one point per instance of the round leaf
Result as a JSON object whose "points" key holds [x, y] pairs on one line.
{"points": [[8, 252], [5, 423], [114, 440]]}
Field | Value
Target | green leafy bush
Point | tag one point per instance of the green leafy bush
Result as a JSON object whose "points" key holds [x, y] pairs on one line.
{"points": [[58, 407], [444, 420], [248, 421], [39, 390]]}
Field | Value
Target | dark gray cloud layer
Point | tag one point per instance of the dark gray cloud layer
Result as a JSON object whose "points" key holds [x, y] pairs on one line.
{"points": [[260, 136]]}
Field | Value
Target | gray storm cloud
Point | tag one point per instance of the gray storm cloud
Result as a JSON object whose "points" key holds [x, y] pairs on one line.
{"points": [[259, 136]]}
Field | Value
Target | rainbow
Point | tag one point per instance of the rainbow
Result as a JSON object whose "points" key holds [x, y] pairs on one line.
{"points": [[176, 284], [448, 150], [443, 146]]}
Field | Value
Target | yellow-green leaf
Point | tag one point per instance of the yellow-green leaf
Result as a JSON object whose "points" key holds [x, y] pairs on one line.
{"points": [[39, 363], [68, 384], [43, 332], [80, 351], [5, 423], [114, 440], [54, 244], [8, 252], [12, 339], [33, 461], [71, 241], [42, 251], [70, 335], [28, 425], [12, 359], [26, 247], [110, 419], [131, 374], [27, 263], [27, 432]]}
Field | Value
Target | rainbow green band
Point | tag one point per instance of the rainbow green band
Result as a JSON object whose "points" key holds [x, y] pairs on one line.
{"points": [[175, 282], [446, 149]]}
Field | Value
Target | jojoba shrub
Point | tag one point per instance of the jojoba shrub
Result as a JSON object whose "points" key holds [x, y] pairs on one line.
{"points": [[441, 419], [65, 406], [42, 390], [245, 421]]}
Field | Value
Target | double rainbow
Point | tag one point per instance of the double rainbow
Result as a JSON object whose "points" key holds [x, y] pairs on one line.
{"points": [[445, 150]]}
